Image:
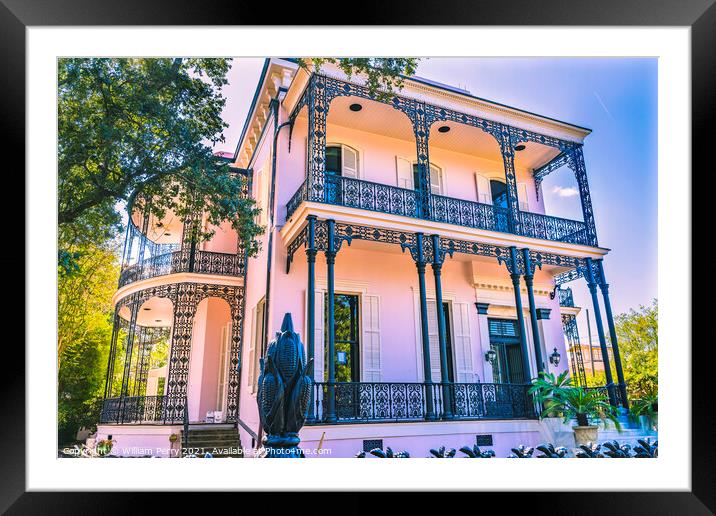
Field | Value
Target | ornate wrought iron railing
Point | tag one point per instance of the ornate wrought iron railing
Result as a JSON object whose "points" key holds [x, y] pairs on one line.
{"points": [[468, 213], [366, 195], [137, 410], [565, 297], [491, 401], [204, 262], [375, 402], [536, 225]]}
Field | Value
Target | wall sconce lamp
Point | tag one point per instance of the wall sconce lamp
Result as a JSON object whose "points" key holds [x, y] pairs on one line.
{"points": [[491, 356], [555, 357]]}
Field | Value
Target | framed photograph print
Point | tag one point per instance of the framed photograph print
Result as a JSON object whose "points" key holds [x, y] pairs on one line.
{"points": [[342, 243]]}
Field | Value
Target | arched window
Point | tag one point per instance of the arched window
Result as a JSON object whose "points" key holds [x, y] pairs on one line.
{"points": [[341, 160]]}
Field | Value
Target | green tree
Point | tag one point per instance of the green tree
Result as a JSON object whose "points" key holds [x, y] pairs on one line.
{"points": [[135, 129], [637, 334], [383, 75], [84, 330]]}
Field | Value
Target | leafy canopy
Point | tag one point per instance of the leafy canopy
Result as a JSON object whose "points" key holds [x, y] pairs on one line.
{"points": [[638, 337], [383, 75], [132, 129]]}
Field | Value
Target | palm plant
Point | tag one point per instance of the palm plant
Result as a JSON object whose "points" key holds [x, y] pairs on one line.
{"points": [[646, 406], [580, 404], [547, 386], [589, 451]]}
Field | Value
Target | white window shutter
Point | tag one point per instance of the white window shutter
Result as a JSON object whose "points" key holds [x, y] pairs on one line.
{"points": [[522, 197], [404, 172], [350, 162], [434, 340], [371, 370], [318, 337], [463, 349], [252, 350], [484, 195], [436, 180]]}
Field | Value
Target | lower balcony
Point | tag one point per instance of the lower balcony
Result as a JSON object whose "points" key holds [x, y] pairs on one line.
{"points": [[143, 410], [391, 402], [366, 195]]}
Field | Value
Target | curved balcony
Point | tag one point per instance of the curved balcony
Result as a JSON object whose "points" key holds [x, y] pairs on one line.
{"points": [[366, 195], [200, 262]]}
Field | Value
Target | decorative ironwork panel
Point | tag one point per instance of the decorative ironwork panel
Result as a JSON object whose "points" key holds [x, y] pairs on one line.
{"points": [[571, 333], [546, 227], [576, 162], [138, 410], [566, 298], [370, 402]]}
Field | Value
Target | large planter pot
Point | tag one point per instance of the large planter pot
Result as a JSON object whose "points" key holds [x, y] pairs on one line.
{"points": [[585, 434]]}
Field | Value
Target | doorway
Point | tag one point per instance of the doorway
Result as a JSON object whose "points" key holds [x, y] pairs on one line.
{"points": [[347, 343], [505, 341]]}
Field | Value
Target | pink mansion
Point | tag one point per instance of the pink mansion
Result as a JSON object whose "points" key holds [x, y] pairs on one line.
{"points": [[407, 237]]}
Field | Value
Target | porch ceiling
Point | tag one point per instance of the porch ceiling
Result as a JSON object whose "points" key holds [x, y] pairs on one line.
{"points": [[382, 119]]}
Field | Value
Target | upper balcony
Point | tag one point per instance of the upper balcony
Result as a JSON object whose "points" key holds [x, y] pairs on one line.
{"points": [[407, 157], [155, 247]]}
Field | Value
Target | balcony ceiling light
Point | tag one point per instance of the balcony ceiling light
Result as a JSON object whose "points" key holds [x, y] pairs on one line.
{"points": [[519, 147], [355, 107], [443, 129]]}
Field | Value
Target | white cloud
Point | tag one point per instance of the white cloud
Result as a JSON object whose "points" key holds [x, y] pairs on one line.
{"points": [[561, 191]]}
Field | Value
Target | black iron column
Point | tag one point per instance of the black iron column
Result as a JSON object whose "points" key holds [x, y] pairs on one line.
{"points": [[604, 286], [318, 104], [134, 308], [112, 355], [421, 130], [592, 284], [311, 296], [529, 281], [507, 149], [331, 326], [437, 264], [420, 263], [576, 163], [514, 269]]}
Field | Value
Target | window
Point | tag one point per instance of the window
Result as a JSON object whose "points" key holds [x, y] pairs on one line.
{"points": [[257, 344], [436, 178], [341, 160], [498, 190]]}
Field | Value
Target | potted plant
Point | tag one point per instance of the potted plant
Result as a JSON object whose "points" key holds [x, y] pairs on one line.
{"points": [[546, 386], [581, 404], [104, 446], [646, 409]]}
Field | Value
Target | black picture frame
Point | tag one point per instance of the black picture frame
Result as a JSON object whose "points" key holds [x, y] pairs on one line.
{"points": [[700, 15]]}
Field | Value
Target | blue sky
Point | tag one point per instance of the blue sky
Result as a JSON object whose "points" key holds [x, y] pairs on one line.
{"points": [[615, 97]]}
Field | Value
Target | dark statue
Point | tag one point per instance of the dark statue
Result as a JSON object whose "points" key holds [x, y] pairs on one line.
{"points": [[283, 393]]}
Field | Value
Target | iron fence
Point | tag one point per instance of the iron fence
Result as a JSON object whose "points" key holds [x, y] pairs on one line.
{"points": [[374, 402]]}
